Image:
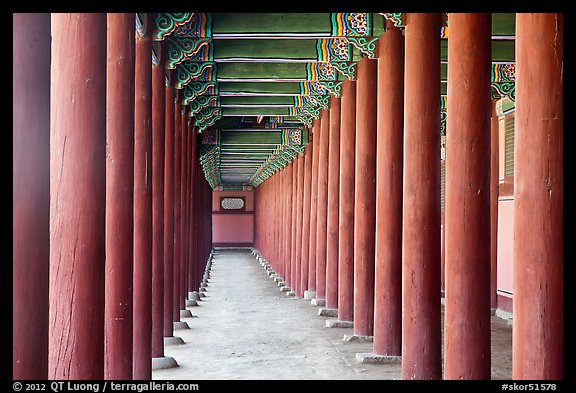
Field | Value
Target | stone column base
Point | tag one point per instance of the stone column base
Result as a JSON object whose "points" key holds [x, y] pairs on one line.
{"points": [[357, 338], [163, 363], [372, 358], [181, 325], [174, 340], [194, 296], [336, 323], [328, 312], [186, 314]]}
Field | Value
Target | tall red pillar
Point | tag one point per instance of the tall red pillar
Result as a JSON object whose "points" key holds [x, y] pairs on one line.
{"points": [[193, 269], [183, 292], [494, 181], [77, 196], [169, 138], [346, 202], [291, 270], [332, 205], [197, 174], [119, 196], [177, 209], [158, 146], [390, 124], [467, 211], [309, 152], [322, 205], [365, 197], [313, 209], [30, 194], [299, 204], [537, 341], [421, 330], [142, 367], [278, 222], [287, 221]]}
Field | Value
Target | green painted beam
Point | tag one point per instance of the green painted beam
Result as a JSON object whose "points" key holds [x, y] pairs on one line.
{"points": [[304, 49], [292, 88], [256, 111], [251, 137], [260, 70], [247, 149], [240, 158], [307, 71], [229, 153], [256, 100], [503, 51], [503, 24], [302, 23], [241, 23]]}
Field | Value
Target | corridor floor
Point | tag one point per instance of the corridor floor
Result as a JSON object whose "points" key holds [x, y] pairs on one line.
{"points": [[246, 328]]}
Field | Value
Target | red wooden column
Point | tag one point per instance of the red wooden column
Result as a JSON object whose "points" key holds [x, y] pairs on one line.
{"points": [[346, 202], [274, 220], [193, 268], [142, 341], [158, 153], [177, 209], [183, 291], [186, 129], [169, 138], [311, 293], [421, 334], [309, 152], [77, 196], [290, 271], [279, 218], [281, 203], [332, 207], [537, 343], [269, 220], [278, 223], [467, 211], [198, 229], [258, 219], [30, 194], [365, 197], [288, 220], [390, 124], [299, 204], [494, 181], [198, 224], [197, 173], [322, 207], [118, 308]]}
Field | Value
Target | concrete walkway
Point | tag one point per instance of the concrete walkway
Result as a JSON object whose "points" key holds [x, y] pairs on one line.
{"points": [[246, 328]]}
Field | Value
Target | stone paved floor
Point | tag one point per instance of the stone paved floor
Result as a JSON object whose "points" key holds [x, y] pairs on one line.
{"points": [[246, 328]]}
